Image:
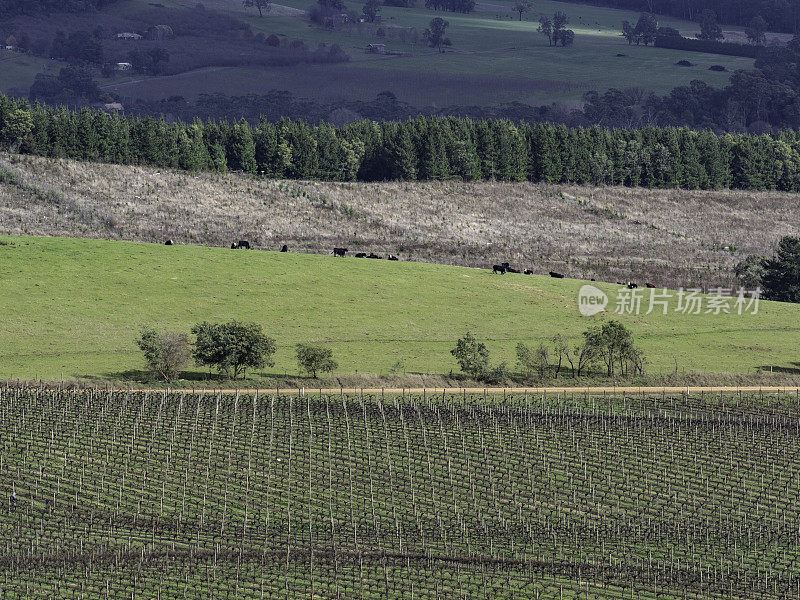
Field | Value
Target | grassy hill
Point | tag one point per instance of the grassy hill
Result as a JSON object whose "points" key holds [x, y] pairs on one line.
{"points": [[73, 307], [495, 57], [670, 238]]}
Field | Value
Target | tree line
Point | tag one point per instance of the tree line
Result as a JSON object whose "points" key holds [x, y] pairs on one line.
{"points": [[424, 148], [10, 8], [780, 15], [608, 348], [231, 348]]}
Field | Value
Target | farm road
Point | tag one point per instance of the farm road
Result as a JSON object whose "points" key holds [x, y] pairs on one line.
{"points": [[495, 390]]}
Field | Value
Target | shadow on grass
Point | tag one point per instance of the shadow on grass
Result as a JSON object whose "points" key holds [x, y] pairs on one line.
{"points": [[793, 370]]}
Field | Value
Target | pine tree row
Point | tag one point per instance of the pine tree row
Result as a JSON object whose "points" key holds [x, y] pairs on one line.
{"points": [[420, 149]]}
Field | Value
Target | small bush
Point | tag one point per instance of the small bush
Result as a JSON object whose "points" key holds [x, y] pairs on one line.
{"points": [[472, 356], [165, 353], [314, 359], [273, 40]]}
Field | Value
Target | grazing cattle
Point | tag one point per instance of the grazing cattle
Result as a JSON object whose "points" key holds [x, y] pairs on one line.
{"points": [[339, 251], [284, 248], [371, 255], [393, 257], [504, 265], [241, 245], [361, 255], [499, 269], [632, 286], [528, 272], [650, 285], [511, 270], [168, 243], [556, 275]]}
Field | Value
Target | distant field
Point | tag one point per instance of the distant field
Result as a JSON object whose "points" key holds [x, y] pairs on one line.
{"points": [[489, 43], [18, 71], [73, 307]]}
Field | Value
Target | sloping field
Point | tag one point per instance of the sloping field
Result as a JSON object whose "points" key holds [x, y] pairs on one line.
{"points": [[73, 307], [672, 238]]}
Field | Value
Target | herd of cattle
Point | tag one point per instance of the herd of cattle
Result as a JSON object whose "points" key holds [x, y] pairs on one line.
{"points": [[502, 268]]}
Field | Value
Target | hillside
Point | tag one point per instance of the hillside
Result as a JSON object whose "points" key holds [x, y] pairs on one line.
{"points": [[73, 307], [672, 238], [495, 58]]}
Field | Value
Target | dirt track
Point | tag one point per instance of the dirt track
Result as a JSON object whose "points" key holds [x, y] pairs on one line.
{"points": [[491, 390]]}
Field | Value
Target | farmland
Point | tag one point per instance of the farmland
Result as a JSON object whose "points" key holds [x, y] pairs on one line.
{"points": [[169, 495], [492, 51]]}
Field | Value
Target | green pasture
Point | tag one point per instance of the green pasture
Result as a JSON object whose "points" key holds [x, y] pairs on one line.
{"points": [[73, 307], [18, 71]]}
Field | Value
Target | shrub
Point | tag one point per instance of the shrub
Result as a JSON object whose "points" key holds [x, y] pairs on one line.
{"points": [[750, 271], [472, 356], [165, 353], [273, 40], [710, 46], [297, 45], [313, 359], [232, 347]]}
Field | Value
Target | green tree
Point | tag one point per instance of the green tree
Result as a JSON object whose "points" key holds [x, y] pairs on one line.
{"points": [[434, 34], [613, 343], [261, 5], [750, 271], [371, 10], [232, 347], [522, 6], [629, 32], [781, 278], [646, 29], [241, 148], [546, 28], [314, 359], [165, 353], [472, 356], [756, 31], [18, 127], [533, 361], [709, 27]]}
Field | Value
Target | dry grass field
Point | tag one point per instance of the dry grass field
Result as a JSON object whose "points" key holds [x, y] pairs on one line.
{"points": [[666, 237]]}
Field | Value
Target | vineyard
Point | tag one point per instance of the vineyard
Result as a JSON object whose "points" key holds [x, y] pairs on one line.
{"points": [[179, 495]]}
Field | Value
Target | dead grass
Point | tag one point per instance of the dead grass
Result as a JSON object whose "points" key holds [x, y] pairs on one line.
{"points": [[665, 237]]}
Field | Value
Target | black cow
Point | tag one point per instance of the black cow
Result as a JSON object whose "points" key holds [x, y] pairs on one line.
{"points": [[650, 285], [504, 265], [372, 255], [556, 275], [339, 251], [241, 245], [632, 286], [393, 257], [168, 243], [511, 270], [284, 248], [528, 272], [499, 269], [361, 255]]}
